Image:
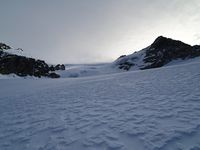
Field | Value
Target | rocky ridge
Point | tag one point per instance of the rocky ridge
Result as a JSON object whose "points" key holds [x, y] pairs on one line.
{"points": [[162, 51], [25, 66]]}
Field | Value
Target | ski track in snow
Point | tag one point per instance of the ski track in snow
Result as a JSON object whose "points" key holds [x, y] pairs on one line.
{"points": [[156, 109]]}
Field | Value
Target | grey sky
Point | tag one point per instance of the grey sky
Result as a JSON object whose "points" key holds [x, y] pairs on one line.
{"points": [[89, 31]]}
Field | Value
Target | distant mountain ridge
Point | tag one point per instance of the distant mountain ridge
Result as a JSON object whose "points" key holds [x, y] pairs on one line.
{"points": [[162, 51]]}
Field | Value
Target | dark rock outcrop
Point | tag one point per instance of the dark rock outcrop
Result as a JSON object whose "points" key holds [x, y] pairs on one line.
{"points": [[59, 67], [163, 50], [53, 75], [4, 46], [126, 65], [52, 68], [23, 66]]}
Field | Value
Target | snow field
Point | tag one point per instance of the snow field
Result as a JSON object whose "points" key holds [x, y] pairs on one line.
{"points": [[157, 109]]}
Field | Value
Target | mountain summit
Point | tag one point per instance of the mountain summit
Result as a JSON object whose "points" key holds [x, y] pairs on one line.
{"points": [[162, 51], [164, 42]]}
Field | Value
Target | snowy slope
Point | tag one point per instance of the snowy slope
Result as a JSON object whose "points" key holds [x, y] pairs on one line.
{"points": [[86, 70], [18, 51], [137, 58], [156, 109]]}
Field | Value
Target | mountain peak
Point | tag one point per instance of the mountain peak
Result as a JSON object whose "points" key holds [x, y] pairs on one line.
{"points": [[161, 37], [164, 42]]}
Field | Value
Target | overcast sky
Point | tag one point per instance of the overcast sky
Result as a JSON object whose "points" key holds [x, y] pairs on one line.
{"points": [[89, 31]]}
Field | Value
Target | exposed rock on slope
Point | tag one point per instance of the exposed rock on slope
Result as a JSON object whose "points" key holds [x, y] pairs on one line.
{"points": [[4, 46], [162, 51], [23, 66]]}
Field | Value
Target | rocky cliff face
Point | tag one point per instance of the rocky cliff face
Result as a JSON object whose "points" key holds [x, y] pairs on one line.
{"points": [[23, 66], [162, 51]]}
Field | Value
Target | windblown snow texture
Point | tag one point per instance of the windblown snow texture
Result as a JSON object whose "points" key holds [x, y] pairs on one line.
{"points": [[157, 109]]}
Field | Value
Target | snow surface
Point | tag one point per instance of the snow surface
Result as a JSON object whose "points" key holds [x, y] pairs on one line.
{"points": [[18, 51], [86, 70], [156, 109], [136, 58]]}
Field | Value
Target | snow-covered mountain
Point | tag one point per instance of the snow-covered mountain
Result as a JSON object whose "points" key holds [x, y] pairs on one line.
{"points": [[162, 51]]}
